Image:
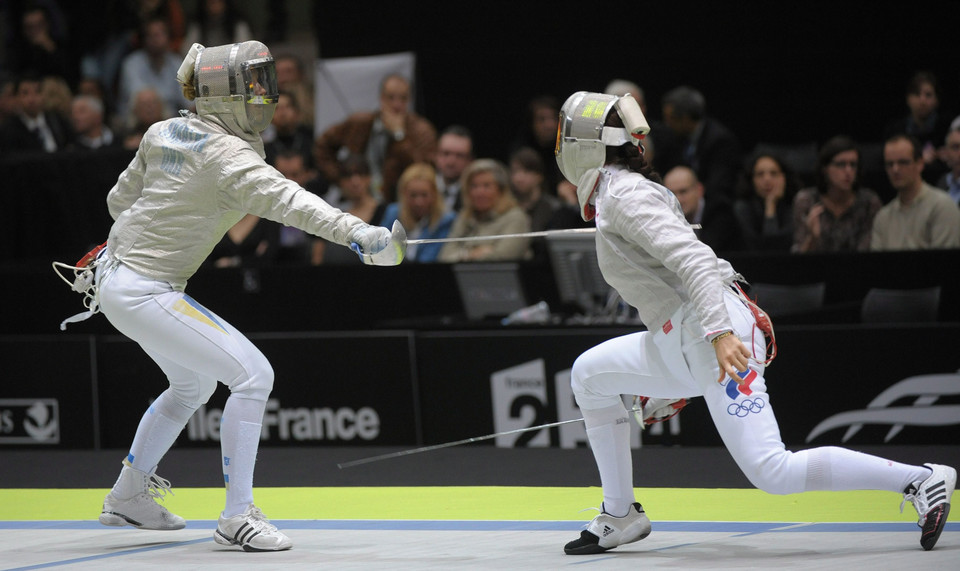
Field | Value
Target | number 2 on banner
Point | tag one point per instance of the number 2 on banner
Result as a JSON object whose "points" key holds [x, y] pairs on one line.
{"points": [[519, 401]]}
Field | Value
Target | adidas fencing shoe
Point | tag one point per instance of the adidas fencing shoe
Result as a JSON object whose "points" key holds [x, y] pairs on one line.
{"points": [[931, 499], [142, 510], [252, 531], [606, 532]]}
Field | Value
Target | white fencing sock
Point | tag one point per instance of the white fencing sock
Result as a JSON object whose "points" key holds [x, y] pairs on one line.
{"points": [[608, 430], [158, 430], [835, 468], [239, 441]]}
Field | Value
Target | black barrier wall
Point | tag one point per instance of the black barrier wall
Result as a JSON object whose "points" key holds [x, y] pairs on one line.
{"points": [[847, 385]]}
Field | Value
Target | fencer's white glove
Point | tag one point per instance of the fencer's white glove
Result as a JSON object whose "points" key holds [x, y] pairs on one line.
{"points": [[369, 239], [376, 245]]}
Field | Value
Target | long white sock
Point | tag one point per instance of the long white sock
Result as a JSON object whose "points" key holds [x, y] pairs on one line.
{"points": [[608, 431], [835, 468], [158, 430], [239, 441]]}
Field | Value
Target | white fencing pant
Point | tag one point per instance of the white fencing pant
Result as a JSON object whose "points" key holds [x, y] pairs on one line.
{"points": [[195, 348], [680, 363]]}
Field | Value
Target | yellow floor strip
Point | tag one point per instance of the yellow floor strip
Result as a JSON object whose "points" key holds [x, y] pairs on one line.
{"points": [[479, 503]]}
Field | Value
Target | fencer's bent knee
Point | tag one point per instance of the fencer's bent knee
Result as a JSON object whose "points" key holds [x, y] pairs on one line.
{"points": [[257, 382], [777, 473]]}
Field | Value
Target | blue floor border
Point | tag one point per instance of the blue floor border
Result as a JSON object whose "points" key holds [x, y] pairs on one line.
{"points": [[464, 525]]}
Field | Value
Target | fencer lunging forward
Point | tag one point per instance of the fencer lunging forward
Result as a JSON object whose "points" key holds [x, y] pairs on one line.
{"points": [[702, 339], [192, 178]]}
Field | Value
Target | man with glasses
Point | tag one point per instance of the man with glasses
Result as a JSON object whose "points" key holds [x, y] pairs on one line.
{"points": [[920, 216]]}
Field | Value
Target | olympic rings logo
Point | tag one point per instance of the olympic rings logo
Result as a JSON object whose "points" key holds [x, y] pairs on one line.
{"points": [[742, 409]]}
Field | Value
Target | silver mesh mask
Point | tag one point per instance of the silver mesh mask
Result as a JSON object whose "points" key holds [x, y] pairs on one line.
{"points": [[239, 80]]}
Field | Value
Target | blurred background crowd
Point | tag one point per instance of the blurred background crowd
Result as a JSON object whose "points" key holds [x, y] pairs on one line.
{"points": [[82, 78]]}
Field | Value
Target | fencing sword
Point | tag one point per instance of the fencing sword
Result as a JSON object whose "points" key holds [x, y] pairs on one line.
{"points": [[388, 456], [400, 241]]}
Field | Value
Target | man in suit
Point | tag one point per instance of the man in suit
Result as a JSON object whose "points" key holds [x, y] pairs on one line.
{"points": [[718, 225], [697, 141], [31, 128]]}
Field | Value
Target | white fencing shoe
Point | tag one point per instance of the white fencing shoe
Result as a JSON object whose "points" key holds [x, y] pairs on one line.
{"points": [[252, 531], [606, 532], [142, 510], [931, 499]]}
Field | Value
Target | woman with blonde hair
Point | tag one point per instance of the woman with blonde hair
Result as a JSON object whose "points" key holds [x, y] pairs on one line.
{"points": [[421, 210], [489, 209]]}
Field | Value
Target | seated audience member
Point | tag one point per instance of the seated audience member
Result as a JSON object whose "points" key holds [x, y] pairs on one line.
{"points": [[489, 209], [454, 153], [216, 23], [421, 210], [250, 243], [31, 129], [718, 225], [295, 245], [539, 132], [41, 47], [950, 181], [57, 96], [292, 78], [699, 141], [391, 138], [152, 66], [287, 133], [355, 183], [837, 214], [526, 182], [87, 119], [924, 121], [147, 108], [764, 207], [920, 216]]}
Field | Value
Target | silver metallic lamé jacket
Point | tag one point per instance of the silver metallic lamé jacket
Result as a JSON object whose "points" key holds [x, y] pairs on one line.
{"points": [[190, 181], [649, 253]]}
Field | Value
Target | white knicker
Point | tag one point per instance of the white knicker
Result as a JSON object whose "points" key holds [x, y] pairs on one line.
{"points": [[675, 361], [194, 347]]}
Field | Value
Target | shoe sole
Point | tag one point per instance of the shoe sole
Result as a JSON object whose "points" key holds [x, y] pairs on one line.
{"points": [[114, 519], [929, 539]]}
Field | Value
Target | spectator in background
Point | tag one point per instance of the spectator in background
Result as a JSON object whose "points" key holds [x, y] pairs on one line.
{"points": [[88, 123], [698, 141], [539, 132], [836, 215], [526, 182], [920, 216], [295, 245], [153, 66], [454, 153], [250, 243], [42, 50], [8, 97], [718, 225], [421, 210], [489, 209], [950, 181], [357, 198], [287, 133], [31, 128], [56, 94], [924, 122], [216, 23], [148, 108], [292, 78], [391, 138], [764, 205]]}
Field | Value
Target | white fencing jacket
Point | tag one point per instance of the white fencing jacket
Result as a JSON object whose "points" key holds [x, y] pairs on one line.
{"points": [[190, 181], [649, 253]]}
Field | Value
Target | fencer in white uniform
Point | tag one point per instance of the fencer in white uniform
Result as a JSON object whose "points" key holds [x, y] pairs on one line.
{"points": [[702, 339], [192, 178]]}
